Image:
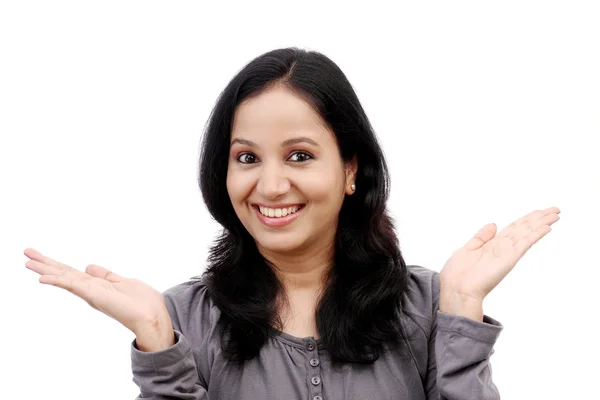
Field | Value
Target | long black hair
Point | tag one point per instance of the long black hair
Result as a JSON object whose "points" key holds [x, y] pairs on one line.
{"points": [[358, 311]]}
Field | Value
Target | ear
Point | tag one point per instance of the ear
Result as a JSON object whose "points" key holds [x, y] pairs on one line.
{"points": [[350, 169]]}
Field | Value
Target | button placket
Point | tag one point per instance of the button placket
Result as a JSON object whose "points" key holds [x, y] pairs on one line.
{"points": [[314, 371]]}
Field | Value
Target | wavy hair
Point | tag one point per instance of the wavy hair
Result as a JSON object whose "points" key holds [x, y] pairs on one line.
{"points": [[358, 310]]}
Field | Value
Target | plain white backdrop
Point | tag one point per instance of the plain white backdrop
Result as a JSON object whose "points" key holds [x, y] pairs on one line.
{"points": [[485, 112]]}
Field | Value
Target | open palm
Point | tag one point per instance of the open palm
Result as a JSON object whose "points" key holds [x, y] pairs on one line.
{"points": [[476, 269], [129, 301]]}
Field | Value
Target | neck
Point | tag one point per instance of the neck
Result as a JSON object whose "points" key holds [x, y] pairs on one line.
{"points": [[302, 276], [304, 270]]}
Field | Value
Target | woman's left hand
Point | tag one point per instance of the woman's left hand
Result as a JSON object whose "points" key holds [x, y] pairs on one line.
{"points": [[478, 267]]}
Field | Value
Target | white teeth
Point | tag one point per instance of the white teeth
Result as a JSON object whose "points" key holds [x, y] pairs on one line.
{"points": [[277, 212]]}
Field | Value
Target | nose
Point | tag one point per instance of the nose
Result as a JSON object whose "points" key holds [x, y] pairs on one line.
{"points": [[272, 182]]}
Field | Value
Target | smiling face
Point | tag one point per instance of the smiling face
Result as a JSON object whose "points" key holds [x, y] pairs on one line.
{"points": [[285, 177]]}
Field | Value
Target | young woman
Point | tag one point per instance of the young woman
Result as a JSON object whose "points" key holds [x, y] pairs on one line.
{"points": [[306, 294]]}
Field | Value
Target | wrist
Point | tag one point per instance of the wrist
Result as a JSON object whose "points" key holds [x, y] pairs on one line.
{"points": [[155, 335], [462, 305]]}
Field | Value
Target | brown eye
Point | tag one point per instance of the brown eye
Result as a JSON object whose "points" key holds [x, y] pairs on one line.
{"points": [[247, 158], [300, 156]]}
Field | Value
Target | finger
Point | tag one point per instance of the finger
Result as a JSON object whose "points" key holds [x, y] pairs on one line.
{"points": [[525, 243], [547, 220], [87, 289], [76, 286], [484, 235], [72, 280], [537, 215], [37, 256], [525, 226], [45, 269], [103, 273], [554, 210], [540, 217]]}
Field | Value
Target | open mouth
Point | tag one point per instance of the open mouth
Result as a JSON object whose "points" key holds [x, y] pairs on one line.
{"points": [[279, 212], [277, 217]]}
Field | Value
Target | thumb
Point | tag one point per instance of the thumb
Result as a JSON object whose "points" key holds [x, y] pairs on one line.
{"points": [[484, 235], [102, 273]]}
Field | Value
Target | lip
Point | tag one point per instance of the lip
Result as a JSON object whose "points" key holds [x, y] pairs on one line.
{"points": [[287, 205], [277, 222]]}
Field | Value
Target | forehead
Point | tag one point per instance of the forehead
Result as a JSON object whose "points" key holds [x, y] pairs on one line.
{"points": [[277, 112]]}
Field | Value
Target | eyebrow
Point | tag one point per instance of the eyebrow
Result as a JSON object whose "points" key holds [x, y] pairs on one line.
{"points": [[289, 142]]}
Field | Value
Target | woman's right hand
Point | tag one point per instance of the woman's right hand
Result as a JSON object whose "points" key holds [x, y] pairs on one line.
{"points": [[137, 306]]}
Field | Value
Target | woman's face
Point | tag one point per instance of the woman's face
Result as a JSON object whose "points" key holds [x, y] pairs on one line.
{"points": [[285, 178]]}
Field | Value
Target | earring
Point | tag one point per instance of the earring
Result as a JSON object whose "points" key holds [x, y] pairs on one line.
{"points": [[353, 187]]}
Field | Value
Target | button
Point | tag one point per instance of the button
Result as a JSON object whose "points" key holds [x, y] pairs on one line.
{"points": [[317, 398], [315, 380], [314, 362], [310, 346]]}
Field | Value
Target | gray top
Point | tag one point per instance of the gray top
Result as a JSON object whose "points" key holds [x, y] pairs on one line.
{"points": [[451, 357]]}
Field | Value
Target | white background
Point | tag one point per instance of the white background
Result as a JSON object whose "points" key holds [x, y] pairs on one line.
{"points": [[485, 111]]}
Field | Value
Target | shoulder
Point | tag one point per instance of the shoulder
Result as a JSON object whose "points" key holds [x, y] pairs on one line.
{"points": [[190, 305], [195, 288], [421, 295]]}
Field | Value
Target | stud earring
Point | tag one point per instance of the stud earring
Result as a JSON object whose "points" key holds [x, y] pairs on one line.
{"points": [[353, 187]]}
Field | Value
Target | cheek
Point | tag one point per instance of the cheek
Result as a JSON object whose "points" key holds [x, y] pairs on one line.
{"points": [[326, 187], [239, 187]]}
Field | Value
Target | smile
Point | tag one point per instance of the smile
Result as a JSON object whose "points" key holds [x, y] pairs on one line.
{"points": [[277, 216]]}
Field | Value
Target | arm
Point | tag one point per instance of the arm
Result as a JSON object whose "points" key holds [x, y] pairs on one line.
{"points": [[459, 358], [462, 338], [163, 363], [167, 374], [166, 369]]}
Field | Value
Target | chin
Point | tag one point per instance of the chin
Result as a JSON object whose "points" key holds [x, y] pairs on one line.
{"points": [[281, 244]]}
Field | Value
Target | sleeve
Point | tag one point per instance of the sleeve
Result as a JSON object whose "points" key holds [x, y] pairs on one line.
{"points": [[172, 374], [167, 374], [459, 356]]}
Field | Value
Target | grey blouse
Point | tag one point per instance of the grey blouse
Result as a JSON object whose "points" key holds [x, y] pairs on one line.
{"points": [[450, 357]]}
